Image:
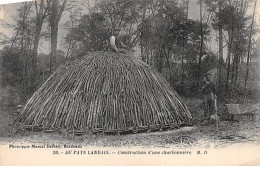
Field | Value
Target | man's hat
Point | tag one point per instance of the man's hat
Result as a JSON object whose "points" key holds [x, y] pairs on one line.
{"points": [[206, 74]]}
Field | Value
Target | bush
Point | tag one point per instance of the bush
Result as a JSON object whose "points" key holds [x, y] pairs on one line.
{"points": [[9, 96]]}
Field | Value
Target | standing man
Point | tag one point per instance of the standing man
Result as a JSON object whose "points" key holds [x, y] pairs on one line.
{"points": [[117, 45], [208, 92]]}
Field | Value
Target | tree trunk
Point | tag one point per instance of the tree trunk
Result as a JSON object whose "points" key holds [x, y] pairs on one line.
{"points": [[221, 58], [168, 60], [249, 49], [201, 44], [54, 22], [230, 35], [38, 27], [183, 45], [23, 58], [54, 34], [237, 68], [232, 79], [141, 39], [142, 47], [1, 70]]}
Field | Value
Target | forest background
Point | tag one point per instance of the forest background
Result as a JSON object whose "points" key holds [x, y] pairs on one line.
{"points": [[181, 39]]}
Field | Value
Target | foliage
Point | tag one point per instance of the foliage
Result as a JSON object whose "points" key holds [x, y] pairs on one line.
{"points": [[12, 67], [159, 29]]}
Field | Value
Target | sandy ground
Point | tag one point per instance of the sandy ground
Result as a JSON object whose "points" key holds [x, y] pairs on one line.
{"points": [[241, 131]]}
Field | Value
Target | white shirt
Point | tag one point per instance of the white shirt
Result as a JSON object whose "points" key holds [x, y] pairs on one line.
{"points": [[113, 42]]}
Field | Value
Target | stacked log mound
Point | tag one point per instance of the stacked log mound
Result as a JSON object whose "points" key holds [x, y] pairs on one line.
{"points": [[106, 92]]}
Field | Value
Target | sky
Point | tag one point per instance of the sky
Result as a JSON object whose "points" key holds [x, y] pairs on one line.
{"points": [[9, 11]]}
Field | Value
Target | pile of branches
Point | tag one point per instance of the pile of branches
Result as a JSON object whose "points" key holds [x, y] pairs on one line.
{"points": [[105, 92]]}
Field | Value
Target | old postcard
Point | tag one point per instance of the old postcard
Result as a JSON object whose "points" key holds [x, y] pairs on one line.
{"points": [[130, 82]]}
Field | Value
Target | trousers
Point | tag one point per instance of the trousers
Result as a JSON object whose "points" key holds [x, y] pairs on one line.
{"points": [[208, 102]]}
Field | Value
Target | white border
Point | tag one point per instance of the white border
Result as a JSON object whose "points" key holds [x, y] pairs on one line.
{"points": [[2, 2]]}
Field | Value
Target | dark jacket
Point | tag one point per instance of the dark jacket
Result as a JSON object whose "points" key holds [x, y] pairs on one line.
{"points": [[118, 41], [208, 88]]}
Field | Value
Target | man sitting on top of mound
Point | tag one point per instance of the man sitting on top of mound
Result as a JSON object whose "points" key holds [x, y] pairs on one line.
{"points": [[117, 45]]}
